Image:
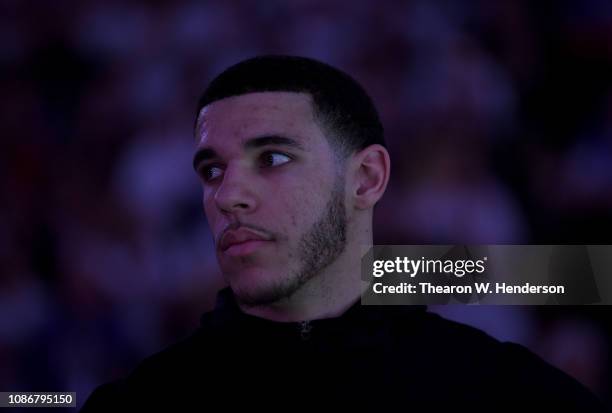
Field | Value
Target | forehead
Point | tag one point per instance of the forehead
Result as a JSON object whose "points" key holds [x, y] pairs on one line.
{"points": [[237, 118]]}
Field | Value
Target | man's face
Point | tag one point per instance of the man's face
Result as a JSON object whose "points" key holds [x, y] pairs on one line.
{"points": [[273, 194]]}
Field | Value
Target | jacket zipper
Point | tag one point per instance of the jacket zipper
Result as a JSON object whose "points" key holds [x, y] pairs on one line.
{"points": [[305, 329]]}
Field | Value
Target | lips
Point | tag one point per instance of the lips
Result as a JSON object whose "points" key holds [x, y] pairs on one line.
{"points": [[240, 236]]}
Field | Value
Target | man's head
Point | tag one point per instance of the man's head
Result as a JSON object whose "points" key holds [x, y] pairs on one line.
{"points": [[292, 159]]}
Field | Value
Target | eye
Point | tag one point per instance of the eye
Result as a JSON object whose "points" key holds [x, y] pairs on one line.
{"points": [[271, 159], [211, 172]]}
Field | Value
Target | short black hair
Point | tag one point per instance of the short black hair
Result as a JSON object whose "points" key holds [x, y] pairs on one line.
{"points": [[340, 103]]}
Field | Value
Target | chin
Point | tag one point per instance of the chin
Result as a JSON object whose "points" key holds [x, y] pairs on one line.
{"points": [[258, 287]]}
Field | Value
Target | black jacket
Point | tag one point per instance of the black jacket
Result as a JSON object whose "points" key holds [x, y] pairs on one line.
{"points": [[377, 358]]}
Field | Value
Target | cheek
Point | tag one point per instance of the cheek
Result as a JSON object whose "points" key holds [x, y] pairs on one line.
{"points": [[301, 207], [209, 209]]}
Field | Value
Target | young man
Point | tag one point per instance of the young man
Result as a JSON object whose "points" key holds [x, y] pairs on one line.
{"points": [[292, 160]]}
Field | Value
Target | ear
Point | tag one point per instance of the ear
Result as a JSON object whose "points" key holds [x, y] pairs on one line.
{"points": [[369, 175]]}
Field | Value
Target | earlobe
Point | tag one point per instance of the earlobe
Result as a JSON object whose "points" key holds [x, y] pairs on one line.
{"points": [[372, 168]]}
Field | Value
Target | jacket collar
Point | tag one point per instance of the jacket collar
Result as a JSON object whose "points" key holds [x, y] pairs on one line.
{"points": [[227, 312]]}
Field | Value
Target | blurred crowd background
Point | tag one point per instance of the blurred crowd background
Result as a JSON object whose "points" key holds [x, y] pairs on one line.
{"points": [[498, 116]]}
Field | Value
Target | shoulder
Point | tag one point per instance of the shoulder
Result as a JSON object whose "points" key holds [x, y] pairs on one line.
{"points": [[155, 375], [105, 398], [504, 370]]}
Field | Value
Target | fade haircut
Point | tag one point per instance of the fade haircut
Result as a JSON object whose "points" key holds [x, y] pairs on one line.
{"points": [[340, 105]]}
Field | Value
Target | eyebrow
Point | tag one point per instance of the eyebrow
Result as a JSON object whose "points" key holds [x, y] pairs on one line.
{"points": [[205, 154]]}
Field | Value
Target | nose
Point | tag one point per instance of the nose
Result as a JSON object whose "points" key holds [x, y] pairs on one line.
{"points": [[236, 192]]}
